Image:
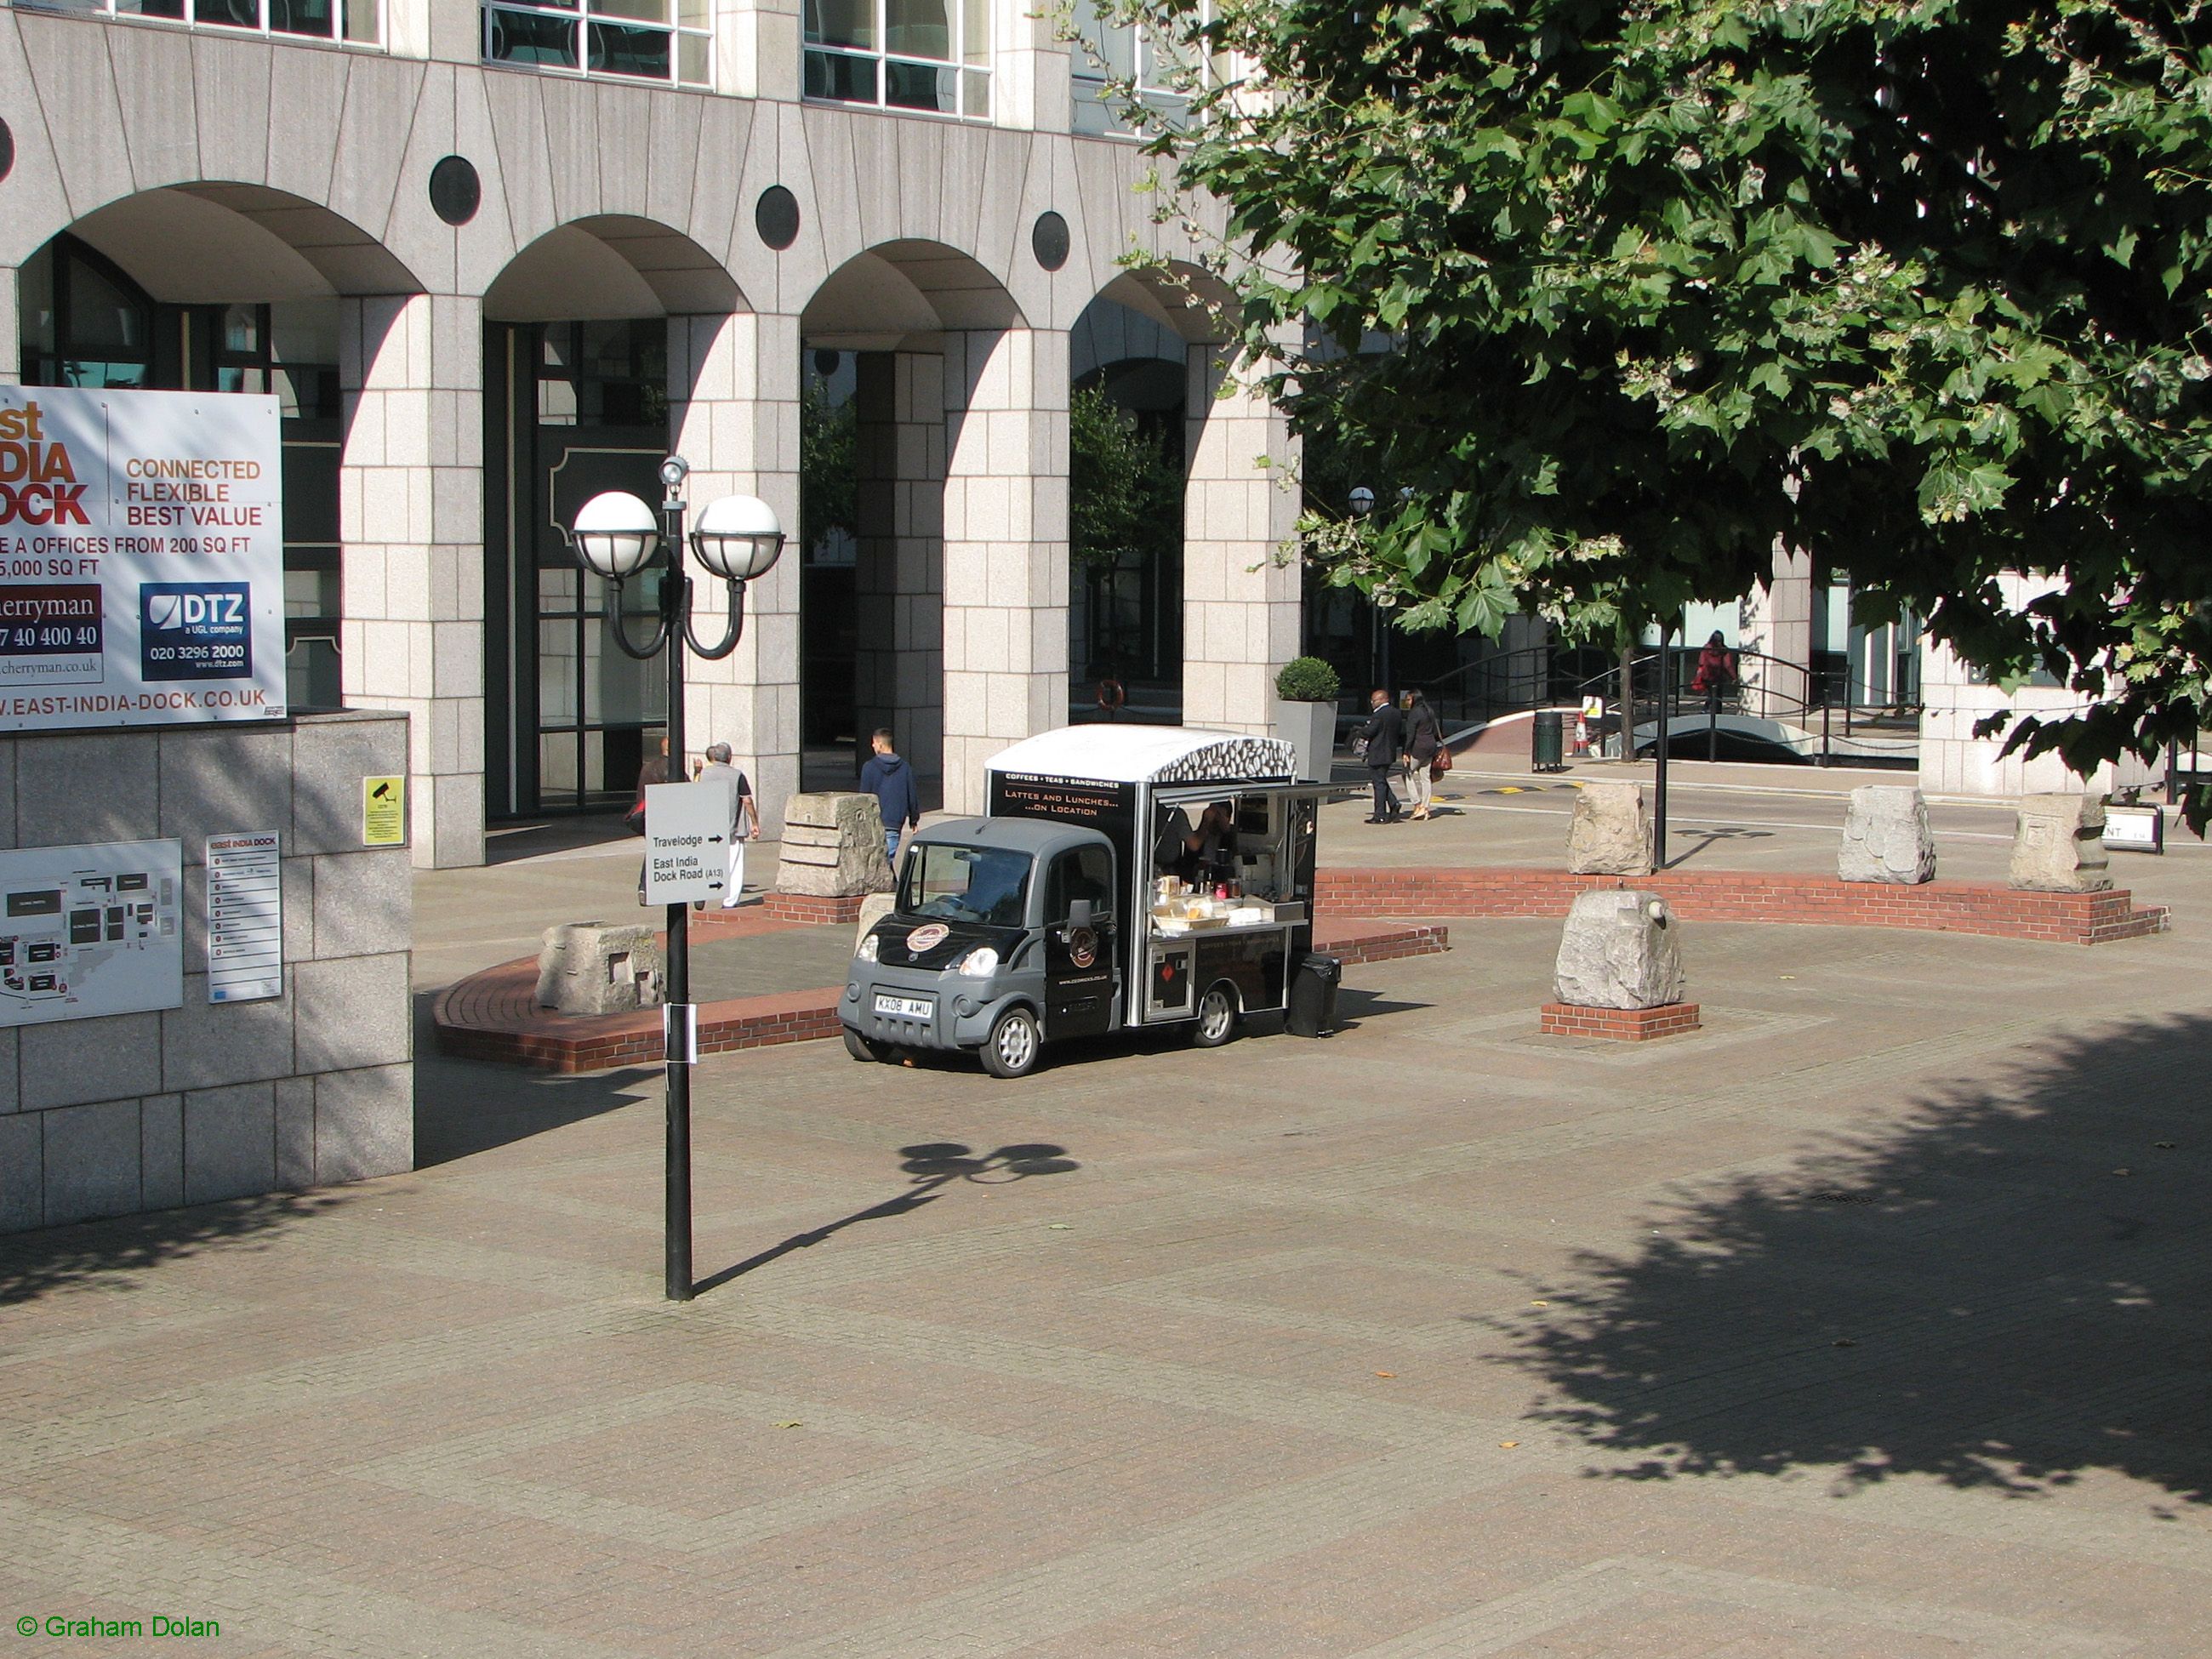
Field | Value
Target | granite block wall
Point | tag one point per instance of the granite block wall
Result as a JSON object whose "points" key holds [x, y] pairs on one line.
{"points": [[124, 1113]]}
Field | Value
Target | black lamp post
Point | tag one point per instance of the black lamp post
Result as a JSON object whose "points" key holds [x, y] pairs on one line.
{"points": [[738, 539]]}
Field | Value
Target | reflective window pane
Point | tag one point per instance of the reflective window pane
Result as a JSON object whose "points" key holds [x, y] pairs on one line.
{"points": [[619, 49], [837, 74], [975, 32], [301, 17], [519, 37], [921, 86], [694, 62], [230, 14], [360, 21], [919, 28], [841, 22], [976, 92], [642, 11]]}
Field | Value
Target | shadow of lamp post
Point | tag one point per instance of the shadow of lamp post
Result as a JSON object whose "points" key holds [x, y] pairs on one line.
{"points": [[738, 539]]}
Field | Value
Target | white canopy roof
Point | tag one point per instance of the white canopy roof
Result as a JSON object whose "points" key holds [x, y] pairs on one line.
{"points": [[1147, 754]]}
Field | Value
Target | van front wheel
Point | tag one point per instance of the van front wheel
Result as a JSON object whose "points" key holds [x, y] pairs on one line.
{"points": [[1013, 1047], [1216, 1017], [860, 1047]]}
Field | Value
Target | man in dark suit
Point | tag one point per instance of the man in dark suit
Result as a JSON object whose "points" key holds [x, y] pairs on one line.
{"points": [[1384, 733]]}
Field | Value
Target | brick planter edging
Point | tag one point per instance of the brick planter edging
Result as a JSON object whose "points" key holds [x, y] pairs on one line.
{"points": [[811, 910], [1622, 1025], [493, 1015], [1751, 896]]}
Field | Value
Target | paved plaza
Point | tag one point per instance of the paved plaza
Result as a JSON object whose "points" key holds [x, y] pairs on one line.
{"points": [[1875, 1319]]}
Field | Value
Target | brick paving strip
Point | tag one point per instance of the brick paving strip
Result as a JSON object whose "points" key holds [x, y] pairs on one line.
{"points": [[495, 1015]]}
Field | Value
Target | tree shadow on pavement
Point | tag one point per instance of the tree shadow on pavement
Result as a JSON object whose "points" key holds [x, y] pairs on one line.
{"points": [[2008, 1288], [54, 1259], [929, 1167]]}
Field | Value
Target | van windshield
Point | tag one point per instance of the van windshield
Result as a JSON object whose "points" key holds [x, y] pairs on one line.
{"points": [[988, 885]]}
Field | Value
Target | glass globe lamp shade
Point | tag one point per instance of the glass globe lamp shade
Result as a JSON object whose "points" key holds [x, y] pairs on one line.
{"points": [[614, 534], [738, 537]]}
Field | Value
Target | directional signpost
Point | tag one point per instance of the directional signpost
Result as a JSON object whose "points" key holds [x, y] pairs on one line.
{"points": [[687, 842]]}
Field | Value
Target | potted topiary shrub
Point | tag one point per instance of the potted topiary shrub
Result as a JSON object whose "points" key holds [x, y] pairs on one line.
{"points": [[1305, 714]]}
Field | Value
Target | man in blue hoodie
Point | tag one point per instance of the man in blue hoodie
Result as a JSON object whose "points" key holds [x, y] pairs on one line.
{"points": [[888, 779]]}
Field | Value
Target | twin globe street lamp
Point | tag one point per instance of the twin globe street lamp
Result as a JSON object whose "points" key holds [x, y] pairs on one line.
{"points": [[738, 539]]}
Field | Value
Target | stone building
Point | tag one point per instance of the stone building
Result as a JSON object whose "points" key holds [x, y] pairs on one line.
{"points": [[497, 256]]}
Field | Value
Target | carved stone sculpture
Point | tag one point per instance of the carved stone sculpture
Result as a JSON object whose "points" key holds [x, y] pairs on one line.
{"points": [[1610, 832], [1887, 838], [833, 846], [592, 967], [1621, 949], [2058, 844]]}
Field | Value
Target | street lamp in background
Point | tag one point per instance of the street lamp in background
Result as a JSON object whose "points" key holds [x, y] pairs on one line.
{"points": [[1362, 500], [738, 539]]}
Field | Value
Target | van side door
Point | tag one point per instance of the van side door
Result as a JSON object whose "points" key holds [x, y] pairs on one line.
{"points": [[1082, 973]]}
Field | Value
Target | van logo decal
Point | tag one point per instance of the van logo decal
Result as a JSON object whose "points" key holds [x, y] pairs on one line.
{"points": [[923, 940], [1083, 947]]}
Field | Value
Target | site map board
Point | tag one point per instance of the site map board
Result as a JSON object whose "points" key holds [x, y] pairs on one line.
{"points": [[142, 558]]}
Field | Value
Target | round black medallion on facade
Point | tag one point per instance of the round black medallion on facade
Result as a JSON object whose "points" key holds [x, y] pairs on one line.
{"points": [[7, 150], [776, 216], [455, 192], [1049, 240]]}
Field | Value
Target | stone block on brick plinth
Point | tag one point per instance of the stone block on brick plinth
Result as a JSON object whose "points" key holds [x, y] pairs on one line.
{"points": [[595, 968], [832, 847], [1886, 837], [2058, 844], [1610, 832], [1622, 948]]}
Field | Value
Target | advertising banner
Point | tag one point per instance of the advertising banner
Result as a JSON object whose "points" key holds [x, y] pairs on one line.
{"points": [[142, 558]]}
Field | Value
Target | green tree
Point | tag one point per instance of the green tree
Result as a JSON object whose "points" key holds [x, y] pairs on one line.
{"points": [[829, 449], [1919, 286], [1124, 493]]}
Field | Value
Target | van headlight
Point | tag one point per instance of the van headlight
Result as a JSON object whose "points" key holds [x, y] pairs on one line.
{"points": [[867, 951], [979, 963]]}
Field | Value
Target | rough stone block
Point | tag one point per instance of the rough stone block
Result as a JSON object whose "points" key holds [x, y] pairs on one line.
{"points": [[364, 1123], [1621, 949], [91, 1158], [2058, 844], [1886, 837], [295, 1132], [1610, 832], [230, 1142], [205, 1045], [161, 1152], [358, 1010], [22, 1172], [9, 1100], [74, 1060], [598, 968], [873, 908], [833, 846], [364, 903]]}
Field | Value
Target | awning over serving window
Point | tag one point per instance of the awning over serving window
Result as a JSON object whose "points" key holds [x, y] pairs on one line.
{"points": [[1148, 754]]}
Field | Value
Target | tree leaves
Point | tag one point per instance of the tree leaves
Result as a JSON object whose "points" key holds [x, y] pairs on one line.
{"points": [[1919, 286]]}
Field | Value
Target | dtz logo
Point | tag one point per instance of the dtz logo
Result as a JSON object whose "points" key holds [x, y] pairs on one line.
{"points": [[216, 608]]}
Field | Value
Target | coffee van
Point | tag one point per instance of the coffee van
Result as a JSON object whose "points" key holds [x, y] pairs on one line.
{"points": [[1123, 876]]}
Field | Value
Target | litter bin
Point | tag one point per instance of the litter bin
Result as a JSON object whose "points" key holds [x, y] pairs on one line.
{"points": [[1547, 742], [1313, 996]]}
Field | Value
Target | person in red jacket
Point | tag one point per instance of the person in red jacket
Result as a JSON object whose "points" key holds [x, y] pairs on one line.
{"points": [[1716, 673]]}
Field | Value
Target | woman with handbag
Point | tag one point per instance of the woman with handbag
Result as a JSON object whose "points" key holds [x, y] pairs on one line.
{"points": [[1424, 739]]}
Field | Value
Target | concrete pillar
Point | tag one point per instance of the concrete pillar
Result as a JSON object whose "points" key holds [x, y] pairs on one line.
{"points": [[734, 413], [1030, 89], [1777, 621], [1006, 547], [1240, 600], [410, 517], [898, 575], [756, 49]]}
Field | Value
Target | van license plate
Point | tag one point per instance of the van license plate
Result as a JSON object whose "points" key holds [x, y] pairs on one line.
{"points": [[902, 1008]]}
